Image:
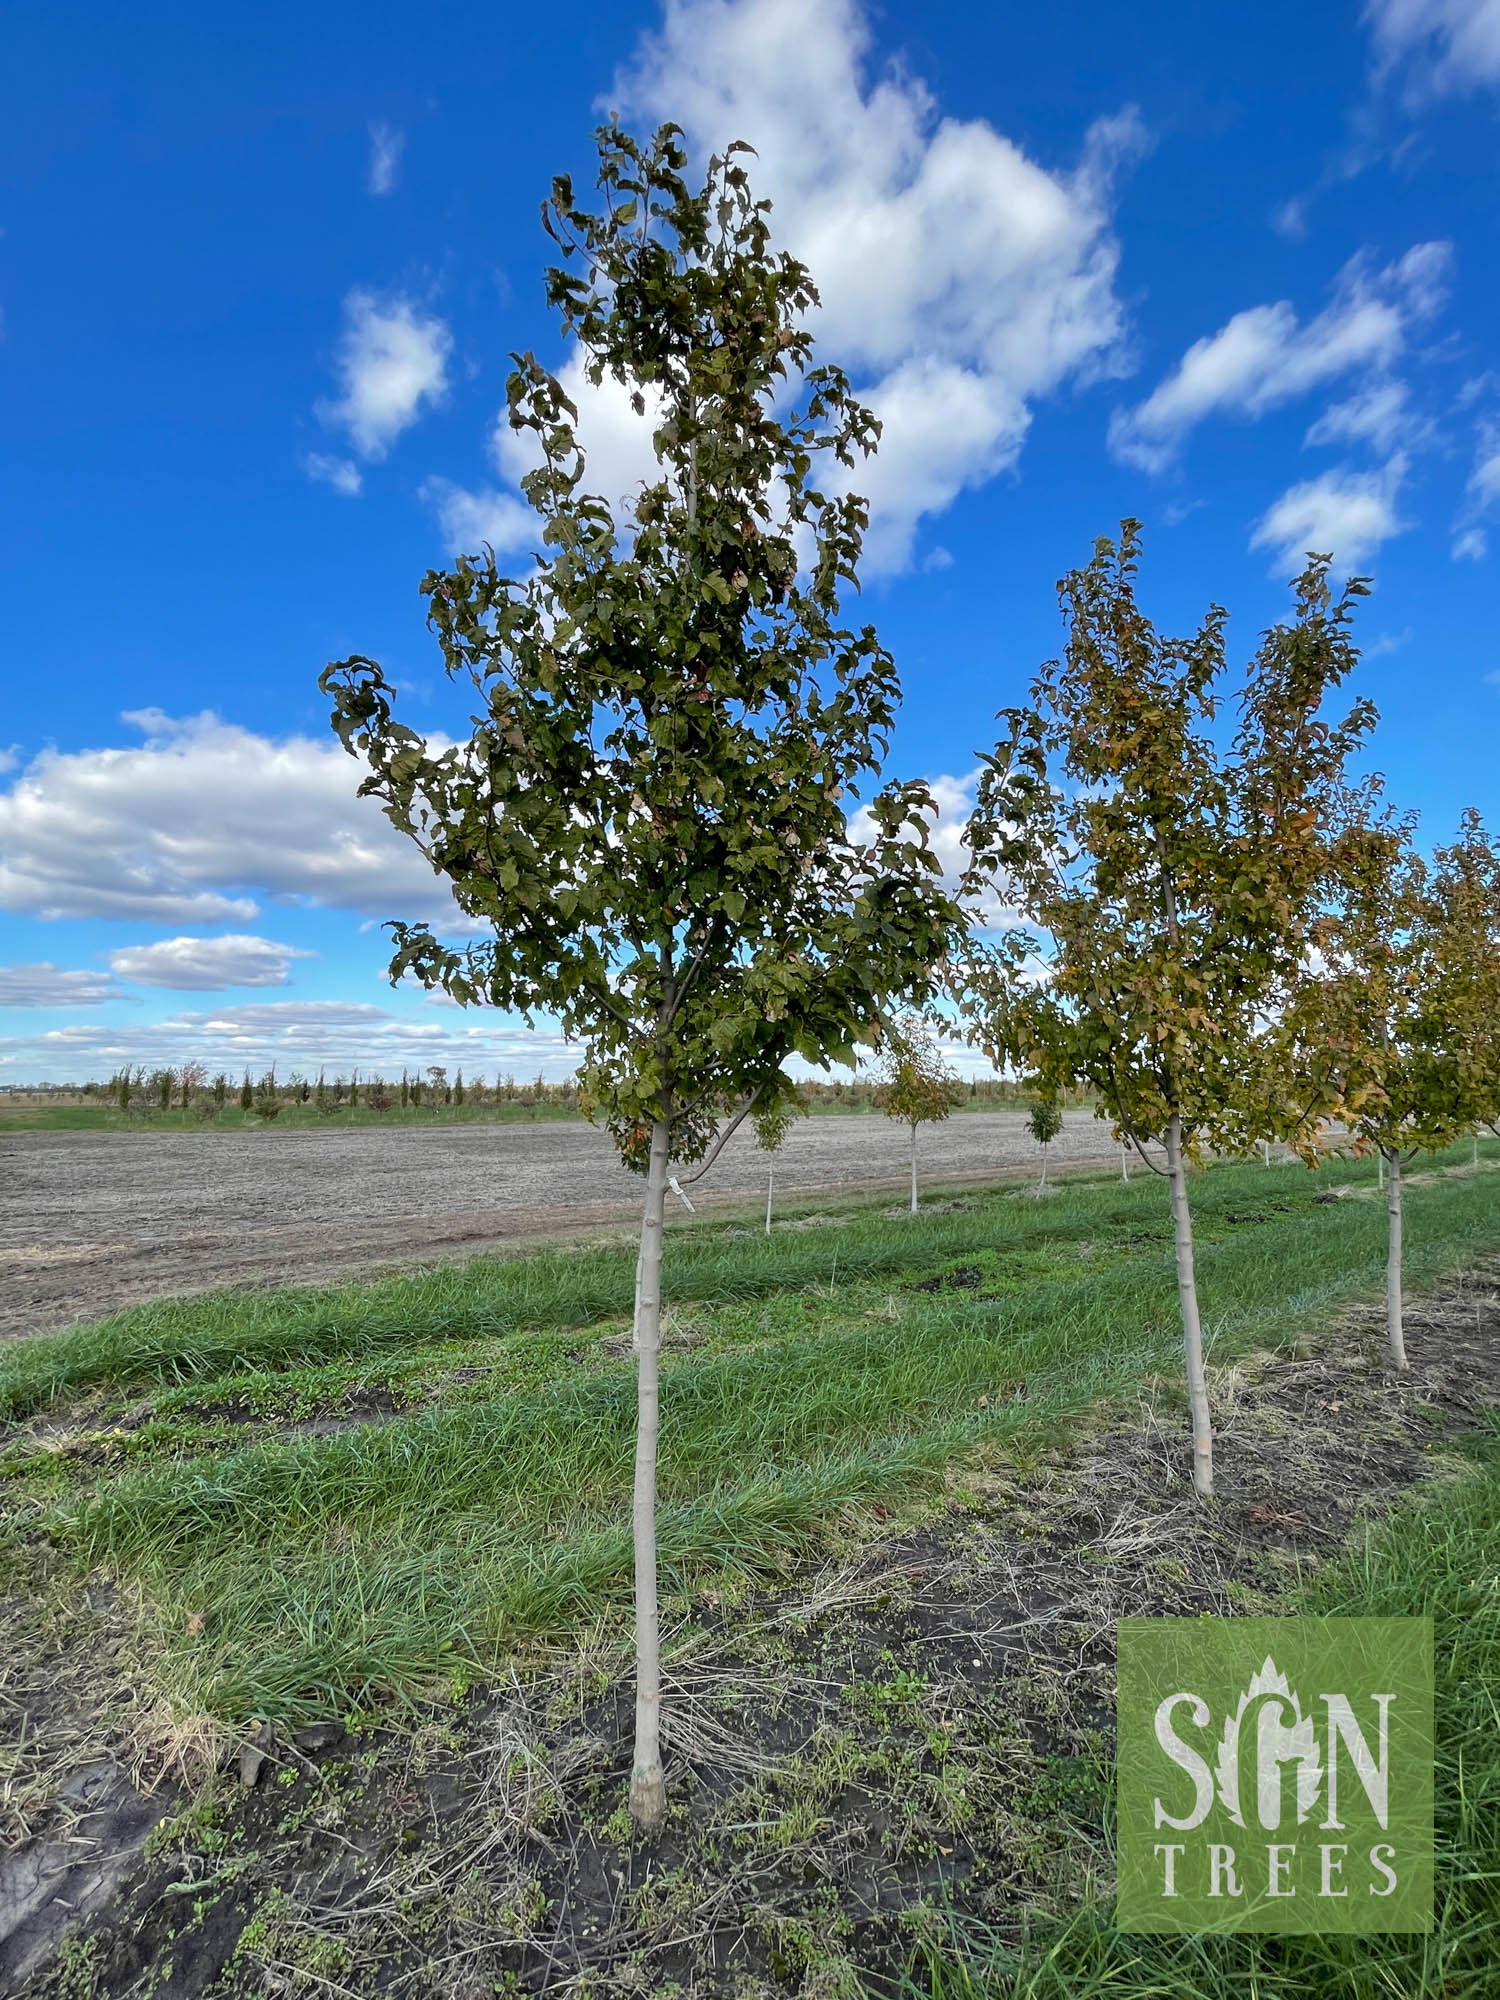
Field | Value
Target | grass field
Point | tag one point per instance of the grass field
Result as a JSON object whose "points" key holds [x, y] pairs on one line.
{"points": [[326, 1498], [399, 1511]]}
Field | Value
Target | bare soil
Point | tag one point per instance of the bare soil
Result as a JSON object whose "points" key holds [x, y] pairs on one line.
{"points": [[93, 1221], [928, 1715]]}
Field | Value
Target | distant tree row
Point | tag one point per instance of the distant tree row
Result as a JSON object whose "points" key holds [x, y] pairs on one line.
{"points": [[190, 1087]]}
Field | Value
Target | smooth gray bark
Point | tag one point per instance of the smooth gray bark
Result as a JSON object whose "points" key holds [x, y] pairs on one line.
{"points": [[913, 1169], [1125, 1164], [1192, 1331], [770, 1191], [648, 1790], [1395, 1332]]}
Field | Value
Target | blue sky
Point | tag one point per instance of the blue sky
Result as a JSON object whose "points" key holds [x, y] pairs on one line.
{"points": [[261, 270]]}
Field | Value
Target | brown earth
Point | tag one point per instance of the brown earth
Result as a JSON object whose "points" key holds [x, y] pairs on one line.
{"points": [[927, 1717], [93, 1221]]}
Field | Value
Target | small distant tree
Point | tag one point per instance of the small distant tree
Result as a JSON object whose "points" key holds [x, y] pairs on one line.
{"points": [[648, 815], [1172, 883], [1395, 1019], [121, 1087], [192, 1076], [1044, 1124], [916, 1085], [770, 1136], [221, 1091], [247, 1093], [458, 1087], [354, 1090], [320, 1095], [437, 1082], [267, 1103]]}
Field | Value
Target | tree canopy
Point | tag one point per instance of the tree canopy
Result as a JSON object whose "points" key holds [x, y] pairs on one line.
{"points": [[1170, 882], [651, 813]]}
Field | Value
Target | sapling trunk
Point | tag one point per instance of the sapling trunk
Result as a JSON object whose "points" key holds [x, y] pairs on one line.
{"points": [[1192, 1331], [1393, 1326], [770, 1191], [1042, 1184], [913, 1169], [648, 1790], [1125, 1165]]}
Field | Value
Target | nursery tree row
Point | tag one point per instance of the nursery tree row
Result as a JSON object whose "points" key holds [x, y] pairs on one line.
{"points": [[1221, 936]]}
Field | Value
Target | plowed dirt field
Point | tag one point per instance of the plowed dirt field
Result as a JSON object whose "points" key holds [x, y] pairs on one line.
{"points": [[92, 1221]]}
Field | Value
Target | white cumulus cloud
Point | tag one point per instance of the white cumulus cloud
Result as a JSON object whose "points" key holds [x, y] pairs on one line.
{"points": [[1451, 45], [207, 964], [47, 985], [961, 280], [1379, 415], [468, 520], [1264, 357], [392, 359], [189, 826], [1341, 513]]}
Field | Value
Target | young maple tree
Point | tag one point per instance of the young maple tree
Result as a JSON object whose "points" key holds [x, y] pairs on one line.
{"points": [[1396, 1020], [649, 814], [916, 1085], [1171, 881], [771, 1127], [1044, 1124]]}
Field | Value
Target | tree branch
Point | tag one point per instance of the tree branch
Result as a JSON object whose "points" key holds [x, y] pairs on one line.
{"points": [[727, 1134]]}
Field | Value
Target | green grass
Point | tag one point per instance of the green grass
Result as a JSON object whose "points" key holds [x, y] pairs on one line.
{"points": [[826, 1367], [1438, 1555]]}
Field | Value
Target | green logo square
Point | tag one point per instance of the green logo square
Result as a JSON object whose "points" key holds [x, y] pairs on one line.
{"points": [[1275, 1774]]}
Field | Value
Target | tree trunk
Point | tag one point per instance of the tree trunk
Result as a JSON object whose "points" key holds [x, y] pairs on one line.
{"points": [[1380, 1170], [913, 1169], [1192, 1332], [770, 1191], [648, 1790], [1042, 1187], [1393, 1325], [1125, 1165]]}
